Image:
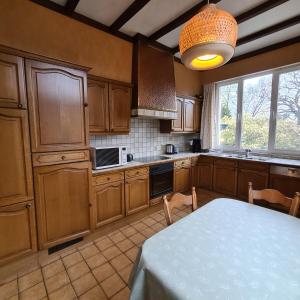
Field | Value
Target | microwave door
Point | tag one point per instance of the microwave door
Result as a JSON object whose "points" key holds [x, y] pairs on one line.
{"points": [[107, 157]]}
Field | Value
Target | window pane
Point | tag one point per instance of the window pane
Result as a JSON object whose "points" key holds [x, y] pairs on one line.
{"points": [[288, 112], [228, 111], [256, 112]]}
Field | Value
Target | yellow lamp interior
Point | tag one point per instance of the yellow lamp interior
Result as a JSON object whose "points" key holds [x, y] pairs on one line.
{"points": [[207, 61]]}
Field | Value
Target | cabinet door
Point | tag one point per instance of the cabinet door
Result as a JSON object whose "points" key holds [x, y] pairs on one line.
{"points": [[258, 179], [225, 180], [189, 115], [182, 179], [15, 162], [137, 194], [17, 231], [98, 107], [110, 204], [203, 176], [119, 108], [63, 202], [177, 125], [12, 81], [197, 116], [58, 108], [285, 184]]}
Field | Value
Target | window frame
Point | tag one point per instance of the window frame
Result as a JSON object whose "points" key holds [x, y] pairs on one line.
{"points": [[273, 110]]}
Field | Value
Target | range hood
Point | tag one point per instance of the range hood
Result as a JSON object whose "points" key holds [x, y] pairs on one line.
{"points": [[154, 94]]}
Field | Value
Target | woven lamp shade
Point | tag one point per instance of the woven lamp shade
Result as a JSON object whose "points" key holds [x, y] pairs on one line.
{"points": [[207, 41]]}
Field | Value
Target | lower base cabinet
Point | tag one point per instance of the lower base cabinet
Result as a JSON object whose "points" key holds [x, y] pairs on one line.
{"points": [[182, 179], [17, 231], [63, 202], [109, 204], [287, 185], [137, 193]]}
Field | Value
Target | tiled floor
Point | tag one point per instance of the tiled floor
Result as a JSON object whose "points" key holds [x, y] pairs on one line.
{"points": [[97, 269]]}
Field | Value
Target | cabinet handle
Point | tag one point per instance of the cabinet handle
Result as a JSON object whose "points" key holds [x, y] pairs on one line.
{"points": [[108, 178], [20, 105], [28, 205], [63, 157], [90, 204], [86, 104]]}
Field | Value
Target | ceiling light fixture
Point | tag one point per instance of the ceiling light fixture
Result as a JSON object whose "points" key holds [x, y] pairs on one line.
{"points": [[207, 40]]}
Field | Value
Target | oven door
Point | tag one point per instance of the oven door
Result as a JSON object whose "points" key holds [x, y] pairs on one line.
{"points": [[107, 157]]}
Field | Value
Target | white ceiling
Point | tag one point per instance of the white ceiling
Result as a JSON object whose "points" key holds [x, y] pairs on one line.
{"points": [[157, 13]]}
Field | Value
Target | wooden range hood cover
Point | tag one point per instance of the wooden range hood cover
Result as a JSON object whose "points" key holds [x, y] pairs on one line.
{"points": [[154, 82]]}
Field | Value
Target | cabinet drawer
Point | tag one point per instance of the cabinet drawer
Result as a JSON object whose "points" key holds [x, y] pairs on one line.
{"points": [[44, 159], [247, 165], [136, 172], [195, 160], [182, 163], [226, 162], [109, 177]]}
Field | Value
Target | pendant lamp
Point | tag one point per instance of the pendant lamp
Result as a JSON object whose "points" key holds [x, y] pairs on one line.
{"points": [[208, 40]]}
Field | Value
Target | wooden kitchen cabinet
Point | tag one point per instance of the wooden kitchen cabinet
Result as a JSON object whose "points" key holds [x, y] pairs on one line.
{"points": [[63, 202], [203, 173], [119, 108], [257, 173], [182, 175], [137, 192], [285, 184], [110, 202], [12, 82], [189, 117], [17, 231], [225, 176], [109, 106], [57, 107], [98, 106], [15, 164]]}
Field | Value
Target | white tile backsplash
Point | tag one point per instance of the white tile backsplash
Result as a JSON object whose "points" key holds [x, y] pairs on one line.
{"points": [[144, 139]]}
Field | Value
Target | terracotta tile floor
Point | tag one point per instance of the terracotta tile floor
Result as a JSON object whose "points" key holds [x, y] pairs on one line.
{"points": [[94, 269]]}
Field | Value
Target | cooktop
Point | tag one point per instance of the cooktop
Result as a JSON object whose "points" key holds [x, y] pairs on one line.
{"points": [[151, 158]]}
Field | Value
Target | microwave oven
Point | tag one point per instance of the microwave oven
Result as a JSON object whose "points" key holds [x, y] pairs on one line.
{"points": [[107, 157]]}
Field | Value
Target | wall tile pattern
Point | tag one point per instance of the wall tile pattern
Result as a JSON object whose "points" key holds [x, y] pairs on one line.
{"points": [[144, 139]]}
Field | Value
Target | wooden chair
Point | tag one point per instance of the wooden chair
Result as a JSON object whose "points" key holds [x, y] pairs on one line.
{"points": [[274, 196], [178, 200]]}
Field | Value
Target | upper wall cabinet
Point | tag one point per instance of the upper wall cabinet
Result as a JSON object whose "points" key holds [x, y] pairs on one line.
{"points": [[57, 107], [109, 107], [12, 82], [188, 117]]}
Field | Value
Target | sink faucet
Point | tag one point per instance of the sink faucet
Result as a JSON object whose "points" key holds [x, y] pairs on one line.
{"points": [[247, 152]]}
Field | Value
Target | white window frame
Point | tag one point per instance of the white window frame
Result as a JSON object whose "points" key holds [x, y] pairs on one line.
{"points": [[273, 110]]}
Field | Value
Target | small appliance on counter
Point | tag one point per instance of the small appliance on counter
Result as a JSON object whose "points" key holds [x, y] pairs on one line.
{"points": [[171, 149], [195, 145], [129, 157], [107, 157]]}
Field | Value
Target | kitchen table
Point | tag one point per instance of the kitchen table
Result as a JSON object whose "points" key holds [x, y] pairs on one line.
{"points": [[227, 250]]}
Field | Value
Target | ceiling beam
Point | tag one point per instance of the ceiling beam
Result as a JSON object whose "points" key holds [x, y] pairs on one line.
{"points": [[70, 6], [155, 44], [269, 30], [266, 49], [133, 9], [259, 10], [179, 20]]}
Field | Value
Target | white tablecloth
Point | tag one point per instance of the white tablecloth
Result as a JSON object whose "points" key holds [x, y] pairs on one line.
{"points": [[226, 250]]}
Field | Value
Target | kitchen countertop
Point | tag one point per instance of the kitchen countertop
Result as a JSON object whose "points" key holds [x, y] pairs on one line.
{"points": [[183, 155]]}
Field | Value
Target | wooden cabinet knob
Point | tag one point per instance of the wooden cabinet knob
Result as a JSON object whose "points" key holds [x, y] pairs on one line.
{"points": [[63, 157], [90, 204], [28, 205], [86, 104], [108, 178], [20, 105]]}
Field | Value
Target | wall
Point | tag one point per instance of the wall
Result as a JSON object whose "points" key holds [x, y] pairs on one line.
{"points": [[273, 59], [187, 81], [30, 27], [144, 139]]}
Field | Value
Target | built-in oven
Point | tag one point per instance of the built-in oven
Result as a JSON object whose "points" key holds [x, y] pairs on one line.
{"points": [[161, 179], [107, 157]]}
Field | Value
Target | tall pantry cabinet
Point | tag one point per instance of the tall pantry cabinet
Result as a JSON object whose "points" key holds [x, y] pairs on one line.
{"points": [[17, 217], [58, 113]]}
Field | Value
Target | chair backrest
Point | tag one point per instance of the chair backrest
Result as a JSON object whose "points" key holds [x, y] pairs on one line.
{"points": [[178, 200], [274, 196]]}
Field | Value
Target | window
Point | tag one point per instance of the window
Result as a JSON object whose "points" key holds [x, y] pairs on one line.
{"points": [[261, 112]]}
